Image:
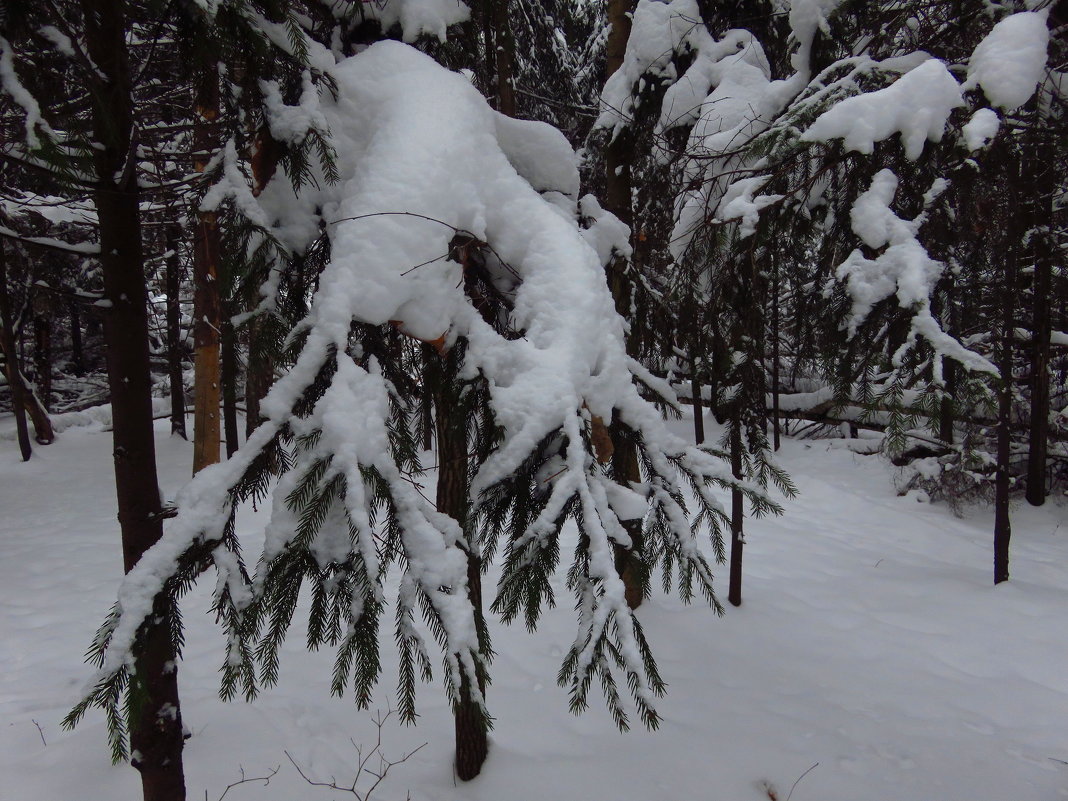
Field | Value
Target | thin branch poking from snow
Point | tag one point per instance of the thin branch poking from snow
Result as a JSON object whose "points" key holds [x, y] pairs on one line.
{"points": [[799, 778], [245, 780], [458, 231], [383, 767]]}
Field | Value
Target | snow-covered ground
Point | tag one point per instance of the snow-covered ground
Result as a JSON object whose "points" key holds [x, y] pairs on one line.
{"points": [[870, 642]]}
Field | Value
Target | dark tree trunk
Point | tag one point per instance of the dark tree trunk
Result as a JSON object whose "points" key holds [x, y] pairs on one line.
{"points": [[489, 40], [630, 562], [42, 349], [42, 424], [1002, 522], [426, 402], [946, 417], [618, 155], [229, 386], [77, 353], [775, 356], [472, 742], [174, 333], [617, 199], [1002, 479], [43, 433], [258, 376], [11, 364], [156, 723], [504, 47], [1039, 181], [734, 593], [207, 311], [698, 401]]}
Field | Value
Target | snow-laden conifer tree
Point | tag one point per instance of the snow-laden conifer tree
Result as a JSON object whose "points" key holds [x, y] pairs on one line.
{"points": [[451, 225], [848, 182]]}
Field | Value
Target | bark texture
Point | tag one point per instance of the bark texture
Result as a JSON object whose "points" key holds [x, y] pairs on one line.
{"points": [[734, 592], [155, 716], [472, 743], [618, 157], [207, 308], [11, 365], [174, 334]]}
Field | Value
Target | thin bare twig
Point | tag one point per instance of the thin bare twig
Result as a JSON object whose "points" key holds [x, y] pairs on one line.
{"points": [[39, 731], [244, 780], [384, 765], [790, 794]]}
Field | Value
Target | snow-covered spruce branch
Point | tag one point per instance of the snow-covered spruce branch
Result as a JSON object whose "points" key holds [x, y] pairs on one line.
{"points": [[552, 365], [562, 480]]}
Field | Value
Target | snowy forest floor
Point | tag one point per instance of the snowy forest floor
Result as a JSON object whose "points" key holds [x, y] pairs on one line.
{"points": [[870, 641]]}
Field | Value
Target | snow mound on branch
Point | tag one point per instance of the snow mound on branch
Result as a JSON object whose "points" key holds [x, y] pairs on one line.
{"points": [[917, 106], [981, 129], [740, 202], [904, 269], [658, 32], [417, 17], [539, 153], [399, 203], [1011, 61], [605, 232], [741, 99], [736, 66], [738, 94]]}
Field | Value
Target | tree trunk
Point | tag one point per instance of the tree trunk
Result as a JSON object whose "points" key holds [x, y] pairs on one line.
{"points": [[43, 432], [472, 743], [775, 357], [77, 354], [734, 593], [617, 191], [229, 385], [698, 401], [946, 417], [426, 402], [11, 365], [489, 40], [1039, 181], [1002, 480], [258, 376], [617, 199], [207, 312], [174, 334], [504, 52], [42, 349], [156, 723]]}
